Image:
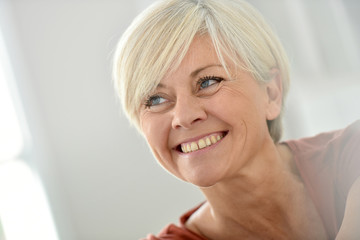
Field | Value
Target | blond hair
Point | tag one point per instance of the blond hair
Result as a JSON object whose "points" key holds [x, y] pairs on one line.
{"points": [[158, 39]]}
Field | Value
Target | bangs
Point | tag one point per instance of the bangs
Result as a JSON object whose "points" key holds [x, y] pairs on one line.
{"points": [[160, 46]]}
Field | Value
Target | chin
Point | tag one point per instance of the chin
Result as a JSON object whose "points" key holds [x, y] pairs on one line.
{"points": [[203, 180]]}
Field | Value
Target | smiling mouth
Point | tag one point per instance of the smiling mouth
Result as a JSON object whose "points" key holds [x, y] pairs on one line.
{"points": [[202, 143]]}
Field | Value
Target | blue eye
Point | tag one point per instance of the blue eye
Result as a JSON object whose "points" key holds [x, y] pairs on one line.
{"points": [[206, 82], [154, 100]]}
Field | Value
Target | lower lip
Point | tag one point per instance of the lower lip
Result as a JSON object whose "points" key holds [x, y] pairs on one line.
{"points": [[203, 150]]}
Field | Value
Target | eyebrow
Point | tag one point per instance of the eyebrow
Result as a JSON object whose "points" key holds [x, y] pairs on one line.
{"points": [[197, 71], [194, 73]]}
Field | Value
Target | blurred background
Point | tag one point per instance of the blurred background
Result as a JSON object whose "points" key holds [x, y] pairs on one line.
{"points": [[72, 168]]}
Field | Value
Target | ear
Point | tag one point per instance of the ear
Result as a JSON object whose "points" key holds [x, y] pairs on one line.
{"points": [[274, 95]]}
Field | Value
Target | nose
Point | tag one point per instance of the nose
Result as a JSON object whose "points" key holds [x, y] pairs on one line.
{"points": [[188, 110]]}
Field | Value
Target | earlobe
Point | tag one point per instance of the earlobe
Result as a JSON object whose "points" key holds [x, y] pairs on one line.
{"points": [[274, 94]]}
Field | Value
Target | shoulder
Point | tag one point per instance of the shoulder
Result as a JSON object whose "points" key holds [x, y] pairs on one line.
{"points": [[351, 134], [334, 141], [350, 142], [349, 228], [329, 164], [355, 127], [334, 154], [348, 163]]}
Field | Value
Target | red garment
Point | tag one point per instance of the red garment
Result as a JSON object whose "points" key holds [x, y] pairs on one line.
{"points": [[328, 163], [173, 232]]}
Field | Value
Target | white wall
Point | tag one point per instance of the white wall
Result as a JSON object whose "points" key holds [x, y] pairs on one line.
{"points": [[101, 179]]}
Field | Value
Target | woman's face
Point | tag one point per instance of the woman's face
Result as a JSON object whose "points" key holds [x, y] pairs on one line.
{"points": [[202, 126]]}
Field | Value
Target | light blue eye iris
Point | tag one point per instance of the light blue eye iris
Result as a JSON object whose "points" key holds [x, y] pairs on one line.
{"points": [[154, 100], [207, 83], [157, 100]]}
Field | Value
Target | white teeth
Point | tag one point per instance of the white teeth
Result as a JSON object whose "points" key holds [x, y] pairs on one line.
{"points": [[188, 148], [194, 146], [200, 144], [208, 142], [183, 148]]}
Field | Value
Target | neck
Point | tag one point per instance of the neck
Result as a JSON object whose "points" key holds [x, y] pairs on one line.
{"points": [[263, 176], [256, 198]]}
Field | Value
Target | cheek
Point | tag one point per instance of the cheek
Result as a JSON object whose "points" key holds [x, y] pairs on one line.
{"points": [[152, 128], [249, 100], [239, 108], [156, 131], [229, 102]]}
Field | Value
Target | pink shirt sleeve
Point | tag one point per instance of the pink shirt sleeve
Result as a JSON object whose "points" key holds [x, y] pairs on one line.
{"points": [[329, 163], [348, 166]]}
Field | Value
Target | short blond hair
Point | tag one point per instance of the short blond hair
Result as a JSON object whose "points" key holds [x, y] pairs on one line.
{"points": [[159, 38]]}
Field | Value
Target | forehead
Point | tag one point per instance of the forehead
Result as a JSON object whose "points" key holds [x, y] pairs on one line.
{"points": [[201, 49], [201, 55]]}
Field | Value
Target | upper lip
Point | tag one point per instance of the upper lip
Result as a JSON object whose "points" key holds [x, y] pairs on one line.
{"points": [[194, 139]]}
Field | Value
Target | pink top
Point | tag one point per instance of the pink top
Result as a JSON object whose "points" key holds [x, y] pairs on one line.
{"points": [[328, 163]]}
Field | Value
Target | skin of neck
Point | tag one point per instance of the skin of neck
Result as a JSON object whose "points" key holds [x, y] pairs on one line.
{"points": [[257, 196]]}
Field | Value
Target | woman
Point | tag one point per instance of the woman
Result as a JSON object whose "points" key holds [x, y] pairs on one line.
{"points": [[204, 81]]}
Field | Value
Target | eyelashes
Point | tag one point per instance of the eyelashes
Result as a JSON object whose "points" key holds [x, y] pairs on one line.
{"points": [[153, 101], [208, 81], [204, 86]]}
